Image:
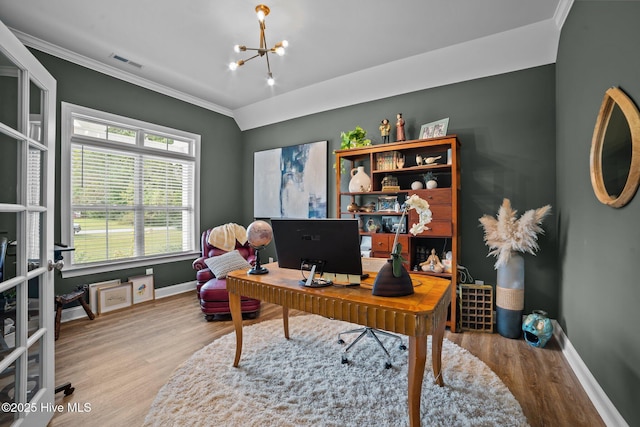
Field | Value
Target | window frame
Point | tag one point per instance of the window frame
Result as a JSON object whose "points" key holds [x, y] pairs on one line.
{"points": [[68, 113]]}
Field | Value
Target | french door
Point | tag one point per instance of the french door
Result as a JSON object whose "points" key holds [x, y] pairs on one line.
{"points": [[27, 165]]}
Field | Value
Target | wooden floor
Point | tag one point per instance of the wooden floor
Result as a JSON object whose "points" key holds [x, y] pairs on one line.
{"points": [[119, 361]]}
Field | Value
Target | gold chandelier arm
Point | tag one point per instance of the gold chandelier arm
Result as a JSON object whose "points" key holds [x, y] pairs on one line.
{"points": [[259, 50], [263, 41], [268, 65], [250, 58]]}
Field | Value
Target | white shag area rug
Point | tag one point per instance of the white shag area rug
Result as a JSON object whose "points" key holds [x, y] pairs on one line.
{"points": [[302, 382]]}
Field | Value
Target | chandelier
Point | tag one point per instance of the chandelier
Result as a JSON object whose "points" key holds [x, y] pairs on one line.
{"points": [[279, 48]]}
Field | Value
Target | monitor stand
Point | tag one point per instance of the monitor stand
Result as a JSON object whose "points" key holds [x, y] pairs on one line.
{"points": [[312, 282]]}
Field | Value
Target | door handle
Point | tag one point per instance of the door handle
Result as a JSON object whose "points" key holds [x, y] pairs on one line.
{"points": [[57, 265]]}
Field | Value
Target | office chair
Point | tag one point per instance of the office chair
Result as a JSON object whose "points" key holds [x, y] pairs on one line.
{"points": [[372, 333]]}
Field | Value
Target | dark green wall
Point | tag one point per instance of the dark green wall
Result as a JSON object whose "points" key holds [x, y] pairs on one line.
{"points": [[221, 152], [506, 126], [599, 245], [521, 137]]}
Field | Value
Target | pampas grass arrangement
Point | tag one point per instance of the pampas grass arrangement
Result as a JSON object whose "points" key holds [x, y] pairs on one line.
{"points": [[507, 234]]}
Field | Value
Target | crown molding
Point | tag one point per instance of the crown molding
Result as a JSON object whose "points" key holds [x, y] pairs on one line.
{"points": [[91, 64], [561, 13], [525, 47]]}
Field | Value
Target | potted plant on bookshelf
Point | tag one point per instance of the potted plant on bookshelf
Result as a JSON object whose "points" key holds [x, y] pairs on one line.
{"points": [[430, 180], [353, 139], [393, 280]]}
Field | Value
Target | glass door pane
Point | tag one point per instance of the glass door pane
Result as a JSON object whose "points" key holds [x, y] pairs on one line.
{"points": [[8, 173], [35, 112], [9, 89]]}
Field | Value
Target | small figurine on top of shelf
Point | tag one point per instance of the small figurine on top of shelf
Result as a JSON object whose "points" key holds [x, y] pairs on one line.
{"points": [[385, 129], [400, 128]]}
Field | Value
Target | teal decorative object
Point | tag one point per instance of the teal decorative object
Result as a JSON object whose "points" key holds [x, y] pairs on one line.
{"points": [[537, 328]]}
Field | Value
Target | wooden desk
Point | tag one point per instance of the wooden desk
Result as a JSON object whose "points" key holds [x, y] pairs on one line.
{"points": [[417, 316]]}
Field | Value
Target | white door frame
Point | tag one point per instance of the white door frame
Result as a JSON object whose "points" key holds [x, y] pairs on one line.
{"points": [[33, 410]]}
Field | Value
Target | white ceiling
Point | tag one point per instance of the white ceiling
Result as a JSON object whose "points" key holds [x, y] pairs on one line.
{"points": [[340, 52]]}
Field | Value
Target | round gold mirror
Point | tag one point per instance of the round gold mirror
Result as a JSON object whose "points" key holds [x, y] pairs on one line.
{"points": [[615, 150]]}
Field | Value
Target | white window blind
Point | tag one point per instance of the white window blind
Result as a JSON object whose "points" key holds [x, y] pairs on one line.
{"points": [[132, 190]]}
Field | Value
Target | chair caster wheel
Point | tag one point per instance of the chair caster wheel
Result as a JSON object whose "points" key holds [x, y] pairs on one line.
{"points": [[209, 317], [340, 341], [403, 347], [345, 360], [387, 365]]}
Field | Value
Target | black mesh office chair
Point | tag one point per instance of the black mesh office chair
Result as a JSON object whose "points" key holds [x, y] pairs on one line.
{"points": [[371, 333]]}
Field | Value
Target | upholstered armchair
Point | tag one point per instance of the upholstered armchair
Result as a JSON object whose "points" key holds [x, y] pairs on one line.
{"points": [[211, 290]]}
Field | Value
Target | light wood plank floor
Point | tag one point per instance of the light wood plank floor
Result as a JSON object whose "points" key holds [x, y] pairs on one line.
{"points": [[119, 361]]}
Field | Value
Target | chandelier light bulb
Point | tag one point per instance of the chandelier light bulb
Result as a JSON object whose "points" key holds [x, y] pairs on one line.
{"points": [[280, 51], [284, 43], [262, 10], [270, 80], [236, 48], [233, 66]]}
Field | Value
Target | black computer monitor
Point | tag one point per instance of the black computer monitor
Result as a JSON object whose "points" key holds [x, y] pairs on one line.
{"points": [[324, 247]]}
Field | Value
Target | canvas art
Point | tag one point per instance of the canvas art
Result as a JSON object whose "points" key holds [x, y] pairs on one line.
{"points": [[291, 182]]}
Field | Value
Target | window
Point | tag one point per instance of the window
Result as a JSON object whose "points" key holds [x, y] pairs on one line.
{"points": [[130, 193]]}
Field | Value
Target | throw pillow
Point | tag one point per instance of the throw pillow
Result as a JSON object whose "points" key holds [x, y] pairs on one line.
{"points": [[221, 265]]}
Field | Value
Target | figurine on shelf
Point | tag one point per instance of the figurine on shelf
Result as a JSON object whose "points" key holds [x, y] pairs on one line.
{"points": [[400, 128], [432, 263], [385, 129]]}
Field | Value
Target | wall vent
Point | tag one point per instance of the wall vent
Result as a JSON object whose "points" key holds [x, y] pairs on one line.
{"points": [[125, 60]]}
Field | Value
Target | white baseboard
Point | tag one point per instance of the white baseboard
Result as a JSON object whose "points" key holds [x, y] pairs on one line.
{"points": [[599, 398], [78, 312], [180, 288]]}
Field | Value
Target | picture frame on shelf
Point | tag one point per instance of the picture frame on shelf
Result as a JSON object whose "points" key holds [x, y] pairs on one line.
{"points": [[111, 298], [143, 288], [387, 203], [434, 129], [390, 224], [372, 226]]}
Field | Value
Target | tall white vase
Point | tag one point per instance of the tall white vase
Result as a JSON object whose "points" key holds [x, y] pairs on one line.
{"points": [[360, 181], [510, 297]]}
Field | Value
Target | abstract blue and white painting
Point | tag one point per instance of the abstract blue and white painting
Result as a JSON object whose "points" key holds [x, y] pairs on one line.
{"points": [[291, 182]]}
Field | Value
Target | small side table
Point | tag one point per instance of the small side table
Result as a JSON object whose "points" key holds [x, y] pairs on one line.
{"points": [[62, 300]]}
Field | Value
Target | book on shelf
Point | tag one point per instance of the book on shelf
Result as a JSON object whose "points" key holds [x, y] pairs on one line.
{"points": [[388, 160]]}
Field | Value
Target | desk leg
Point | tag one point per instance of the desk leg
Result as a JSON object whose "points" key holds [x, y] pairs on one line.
{"points": [[285, 321], [236, 315], [436, 351], [417, 359]]}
